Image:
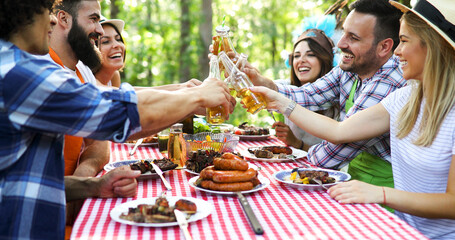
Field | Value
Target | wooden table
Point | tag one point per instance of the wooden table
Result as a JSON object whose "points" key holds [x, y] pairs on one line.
{"points": [[284, 212]]}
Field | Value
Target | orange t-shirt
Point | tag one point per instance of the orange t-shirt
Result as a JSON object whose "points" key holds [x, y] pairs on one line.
{"points": [[73, 145]]}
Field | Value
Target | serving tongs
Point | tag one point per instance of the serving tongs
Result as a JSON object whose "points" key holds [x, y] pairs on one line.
{"points": [[160, 173], [138, 142]]}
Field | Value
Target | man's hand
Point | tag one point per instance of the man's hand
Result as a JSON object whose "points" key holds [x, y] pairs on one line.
{"points": [[214, 92], [256, 78], [120, 182], [191, 83]]}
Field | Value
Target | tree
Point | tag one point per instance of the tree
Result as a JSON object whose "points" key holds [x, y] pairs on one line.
{"points": [[205, 35], [185, 26], [114, 9]]}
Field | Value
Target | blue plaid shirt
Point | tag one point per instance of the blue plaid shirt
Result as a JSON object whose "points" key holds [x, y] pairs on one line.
{"points": [[39, 103], [334, 89]]}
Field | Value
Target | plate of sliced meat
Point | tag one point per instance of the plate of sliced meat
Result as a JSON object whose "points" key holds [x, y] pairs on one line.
{"points": [[273, 153], [158, 211], [303, 178], [251, 133], [144, 166]]}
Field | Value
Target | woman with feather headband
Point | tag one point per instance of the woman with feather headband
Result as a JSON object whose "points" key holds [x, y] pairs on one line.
{"points": [[312, 57]]}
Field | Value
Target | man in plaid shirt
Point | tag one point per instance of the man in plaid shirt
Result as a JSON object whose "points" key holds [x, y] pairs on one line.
{"points": [[40, 102], [367, 72]]}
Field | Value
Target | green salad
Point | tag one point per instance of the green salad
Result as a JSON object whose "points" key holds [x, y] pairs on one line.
{"points": [[200, 126]]}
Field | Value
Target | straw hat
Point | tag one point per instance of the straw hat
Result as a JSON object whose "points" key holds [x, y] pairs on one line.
{"points": [[439, 14], [119, 24]]}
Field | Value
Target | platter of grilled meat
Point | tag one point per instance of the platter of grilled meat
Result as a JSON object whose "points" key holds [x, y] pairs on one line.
{"points": [[273, 153], [147, 171], [229, 174], [159, 211], [251, 133]]}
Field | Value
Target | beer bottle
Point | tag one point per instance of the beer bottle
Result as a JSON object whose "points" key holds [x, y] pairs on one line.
{"points": [[215, 115]]}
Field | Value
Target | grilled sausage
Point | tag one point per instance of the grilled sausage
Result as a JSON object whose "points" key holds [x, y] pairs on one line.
{"points": [[230, 156], [230, 164], [234, 176], [207, 173], [227, 187]]}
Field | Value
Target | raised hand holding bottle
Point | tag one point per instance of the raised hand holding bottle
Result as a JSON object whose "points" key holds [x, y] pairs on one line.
{"points": [[254, 102], [215, 115]]}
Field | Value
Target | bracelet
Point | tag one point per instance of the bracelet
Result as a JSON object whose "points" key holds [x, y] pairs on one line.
{"points": [[289, 109], [301, 146], [383, 193]]}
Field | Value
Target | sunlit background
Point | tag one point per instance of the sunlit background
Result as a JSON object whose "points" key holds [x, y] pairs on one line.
{"points": [[157, 53]]}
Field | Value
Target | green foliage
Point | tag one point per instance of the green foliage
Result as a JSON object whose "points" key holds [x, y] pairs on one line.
{"points": [[259, 28]]}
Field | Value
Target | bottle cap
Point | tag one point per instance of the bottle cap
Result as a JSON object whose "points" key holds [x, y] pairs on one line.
{"points": [[220, 29], [177, 126]]}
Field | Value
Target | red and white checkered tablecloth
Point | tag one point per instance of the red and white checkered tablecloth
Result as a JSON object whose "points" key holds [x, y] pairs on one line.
{"points": [[283, 212]]}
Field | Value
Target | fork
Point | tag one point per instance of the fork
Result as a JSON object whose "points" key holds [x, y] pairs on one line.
{"points": [[302, 165], [320, 183], [273, 116]]}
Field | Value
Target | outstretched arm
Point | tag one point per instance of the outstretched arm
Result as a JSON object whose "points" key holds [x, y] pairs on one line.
{"points": [[159, 109], [429, 205], [120, 182], [366, 124]]}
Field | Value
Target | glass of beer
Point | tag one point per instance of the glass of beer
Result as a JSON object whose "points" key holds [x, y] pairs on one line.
{"points": [[163, 138]]}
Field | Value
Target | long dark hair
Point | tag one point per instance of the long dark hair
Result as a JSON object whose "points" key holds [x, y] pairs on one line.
{"points": [[325, 59]]}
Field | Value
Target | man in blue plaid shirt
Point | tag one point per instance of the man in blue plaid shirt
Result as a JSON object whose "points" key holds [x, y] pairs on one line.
{"points": [[367, 72], [40, 102]]}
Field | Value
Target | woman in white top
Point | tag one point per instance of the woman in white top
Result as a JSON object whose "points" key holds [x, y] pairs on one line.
{"points": [[420, 118], [312, 58], [112, 48]]}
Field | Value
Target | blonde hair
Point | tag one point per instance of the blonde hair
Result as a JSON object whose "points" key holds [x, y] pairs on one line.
{"points": [[437, 85]]}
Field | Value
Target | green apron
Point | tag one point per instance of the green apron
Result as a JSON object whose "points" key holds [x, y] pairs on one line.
{"points": [[367, 167]]}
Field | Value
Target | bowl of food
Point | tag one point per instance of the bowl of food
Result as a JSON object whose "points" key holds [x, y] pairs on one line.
{"points": [[219, 142]]}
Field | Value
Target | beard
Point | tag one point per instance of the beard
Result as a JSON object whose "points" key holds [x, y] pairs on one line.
{"points": [[80, 43], [362, 65]]}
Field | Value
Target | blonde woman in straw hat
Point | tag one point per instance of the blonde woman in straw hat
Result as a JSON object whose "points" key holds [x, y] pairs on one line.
{"points": [[420, 118]]}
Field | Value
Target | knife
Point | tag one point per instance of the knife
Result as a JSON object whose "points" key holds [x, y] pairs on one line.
{"points": [[160, 173], [138, 142], [257, 228], [183, 223]]}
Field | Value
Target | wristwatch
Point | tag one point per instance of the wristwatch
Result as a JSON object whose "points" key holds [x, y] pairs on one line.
{"points": [[289, 109]]}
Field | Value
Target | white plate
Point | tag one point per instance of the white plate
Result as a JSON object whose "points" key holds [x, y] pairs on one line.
{"points": [[189, 171], [253, 137], [297, 153], [108, 167], [265, 182], [284, 175], [203, 210], [196, 173]]}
